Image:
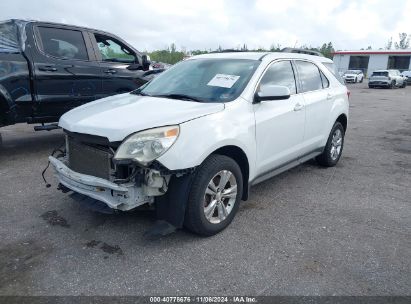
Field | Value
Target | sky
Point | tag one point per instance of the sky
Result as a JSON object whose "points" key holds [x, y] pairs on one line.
{"points": [[155, 24]]}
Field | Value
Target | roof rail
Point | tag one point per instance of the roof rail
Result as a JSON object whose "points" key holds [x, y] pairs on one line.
{"points": [[230, 51], [302, 51]]}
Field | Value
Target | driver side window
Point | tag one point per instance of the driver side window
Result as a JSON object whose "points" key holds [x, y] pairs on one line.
{"points": [[113, 51]]}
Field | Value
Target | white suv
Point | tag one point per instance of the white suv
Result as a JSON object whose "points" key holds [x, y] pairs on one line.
{"points": [[387, 78], [353, 76], [193, 140]]}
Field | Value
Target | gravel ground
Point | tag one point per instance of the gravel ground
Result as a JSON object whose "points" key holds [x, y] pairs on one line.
{"points": [[309, 231]]}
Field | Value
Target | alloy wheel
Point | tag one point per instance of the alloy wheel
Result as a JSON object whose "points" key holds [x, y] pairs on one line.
{"points": [[220, 196], [336, 144]]}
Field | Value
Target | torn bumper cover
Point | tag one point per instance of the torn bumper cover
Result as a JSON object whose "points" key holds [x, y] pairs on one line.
{"points": [[122, 197]]}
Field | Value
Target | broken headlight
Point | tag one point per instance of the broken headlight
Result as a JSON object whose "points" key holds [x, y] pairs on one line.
{"points": [[147, 145]]}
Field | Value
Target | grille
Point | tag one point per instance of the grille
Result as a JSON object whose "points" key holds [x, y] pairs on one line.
{"points": [[88, 159]]}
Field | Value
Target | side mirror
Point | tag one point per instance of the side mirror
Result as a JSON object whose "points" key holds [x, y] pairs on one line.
{"points": [[145, 62], [272, 92], [135, 67]]}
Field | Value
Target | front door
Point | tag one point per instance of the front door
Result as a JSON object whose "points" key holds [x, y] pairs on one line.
{"points": [[115, 61], [279, 123], [65, 75]]}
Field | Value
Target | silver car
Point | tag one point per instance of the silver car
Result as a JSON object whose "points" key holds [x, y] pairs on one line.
{"points": [[387, 78]]}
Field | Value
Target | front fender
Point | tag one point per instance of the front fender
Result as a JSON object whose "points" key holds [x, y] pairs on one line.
{"points": [[234, 126]]}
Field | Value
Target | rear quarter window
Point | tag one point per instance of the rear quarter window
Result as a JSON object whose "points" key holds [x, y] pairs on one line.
{"points": [[380, 74], [330, 66]]}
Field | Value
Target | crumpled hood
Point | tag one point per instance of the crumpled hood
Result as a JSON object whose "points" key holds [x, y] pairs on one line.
{"points": [[118, 116]]}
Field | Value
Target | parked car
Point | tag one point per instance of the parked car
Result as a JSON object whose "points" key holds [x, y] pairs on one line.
{"points": [[160, 65], [407, 75], [194, 139], [47, 69], [353, 76], [387, 78]]}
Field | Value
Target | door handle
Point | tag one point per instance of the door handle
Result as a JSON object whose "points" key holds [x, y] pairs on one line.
{"points": [[298, 107], [47, 68], [110, 71], [329, 96]]}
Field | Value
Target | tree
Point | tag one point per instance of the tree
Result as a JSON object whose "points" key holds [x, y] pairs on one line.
{"points": [[244, 47], [404, 42], [275, 47], [173, 47], [388, 46], [327, 50], [169, 55], [198, 52]]}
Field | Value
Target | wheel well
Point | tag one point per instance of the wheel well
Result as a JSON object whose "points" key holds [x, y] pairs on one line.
{"points": [[241, 159], [343, 120]]}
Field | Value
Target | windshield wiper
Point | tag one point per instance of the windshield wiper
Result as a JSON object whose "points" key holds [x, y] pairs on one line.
{"points": [[179, 96]]}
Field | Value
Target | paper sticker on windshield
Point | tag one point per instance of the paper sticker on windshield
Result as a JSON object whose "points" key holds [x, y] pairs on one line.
{"points": [[223, 81]]}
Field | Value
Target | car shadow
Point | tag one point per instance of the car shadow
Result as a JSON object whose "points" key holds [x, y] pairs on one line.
{"points": [[18, 144]]}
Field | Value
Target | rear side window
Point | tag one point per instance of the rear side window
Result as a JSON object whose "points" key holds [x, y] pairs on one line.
{"points": [[309, 76], [325, 81], [280, 73], [331, 68], [380, 74], [9, 42], [62, 43]]}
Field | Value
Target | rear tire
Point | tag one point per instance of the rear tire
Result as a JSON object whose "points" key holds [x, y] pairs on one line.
{"points": [[334, 147], [214, 196], [362, 79], [392, 85]]}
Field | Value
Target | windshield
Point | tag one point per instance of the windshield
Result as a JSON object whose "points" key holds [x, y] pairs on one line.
{"points": [[380, 74], [204, 80]]}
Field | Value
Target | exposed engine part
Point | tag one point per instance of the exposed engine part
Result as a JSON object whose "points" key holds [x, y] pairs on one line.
{"points": [[155, 184]]}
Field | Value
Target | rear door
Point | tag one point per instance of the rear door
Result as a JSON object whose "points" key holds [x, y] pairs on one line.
{"points": [[66, 72], [15, 93], [116, 59], [318, 99], [279, 123]]}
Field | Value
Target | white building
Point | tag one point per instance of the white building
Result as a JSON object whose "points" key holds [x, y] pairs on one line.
{"points": [[371, 60]]}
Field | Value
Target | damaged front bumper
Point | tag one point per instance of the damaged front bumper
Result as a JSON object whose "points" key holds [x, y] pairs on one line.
{"points": [[117, 196]]}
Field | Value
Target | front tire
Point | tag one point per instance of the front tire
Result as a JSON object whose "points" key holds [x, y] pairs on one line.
{"points": [[333, 149], [215, 196]]}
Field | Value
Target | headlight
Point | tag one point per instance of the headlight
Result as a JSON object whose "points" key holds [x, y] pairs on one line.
{"points": [[148, 145]]}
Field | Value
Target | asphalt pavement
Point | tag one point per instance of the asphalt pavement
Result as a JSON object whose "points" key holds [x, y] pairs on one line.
{"points": [[309, 231]]}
